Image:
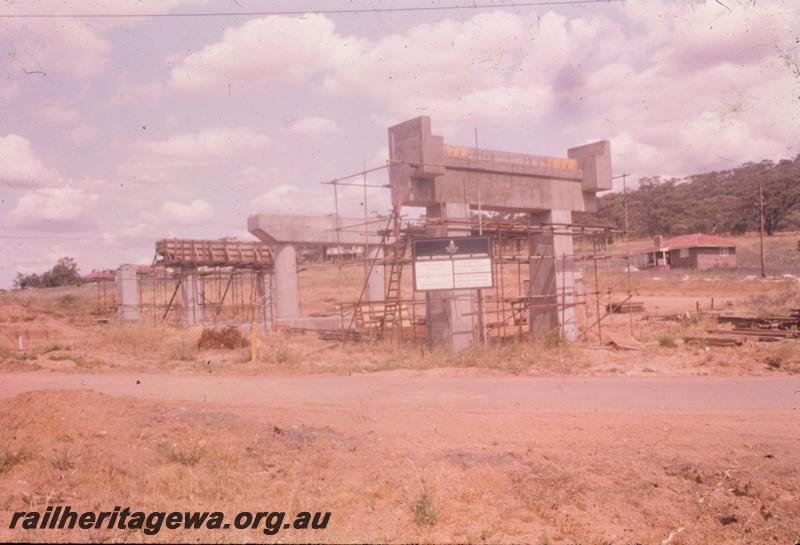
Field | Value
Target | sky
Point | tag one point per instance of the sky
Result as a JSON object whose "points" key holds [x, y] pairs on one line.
{"points": [[117, 132]]}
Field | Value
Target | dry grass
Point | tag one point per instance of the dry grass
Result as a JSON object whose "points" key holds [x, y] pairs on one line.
{"points": [[62, 460], [774, 303], [277, 350], [782, 355], [188, 455], [70, 300], [10, 458], [163, 343], [424, 507]]}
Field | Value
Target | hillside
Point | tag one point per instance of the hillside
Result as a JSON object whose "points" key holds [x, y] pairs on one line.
{"points": [[719, 202]]}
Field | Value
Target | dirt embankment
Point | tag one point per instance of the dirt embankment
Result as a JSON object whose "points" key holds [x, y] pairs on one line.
{"points": [[429, 468]]}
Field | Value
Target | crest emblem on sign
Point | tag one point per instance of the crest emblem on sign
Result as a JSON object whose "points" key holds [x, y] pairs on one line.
{"points": [[451, 248]]}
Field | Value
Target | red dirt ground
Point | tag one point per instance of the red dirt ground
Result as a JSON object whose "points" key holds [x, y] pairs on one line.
{"points": [[504, 459]]}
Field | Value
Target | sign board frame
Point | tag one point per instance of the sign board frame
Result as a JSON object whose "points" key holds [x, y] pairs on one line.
{"points": [[452, 263]]}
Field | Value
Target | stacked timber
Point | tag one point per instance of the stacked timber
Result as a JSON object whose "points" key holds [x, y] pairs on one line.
{"points": [[213, 253], [714, 340], [625, 307]]}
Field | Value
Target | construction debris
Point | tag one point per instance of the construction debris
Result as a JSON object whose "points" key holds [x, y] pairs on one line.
{"points": [[714, 340], [682, 316], [765, 328], [762, 334], [625, 307], [624, 342], [781, 322], [345, 335]]}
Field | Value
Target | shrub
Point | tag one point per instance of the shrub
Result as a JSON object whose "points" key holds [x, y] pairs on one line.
{"points": [[780, 356], [667, 341], [229, 337]]}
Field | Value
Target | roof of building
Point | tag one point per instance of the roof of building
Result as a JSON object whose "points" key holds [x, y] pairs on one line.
{"points": [[694, 240]]}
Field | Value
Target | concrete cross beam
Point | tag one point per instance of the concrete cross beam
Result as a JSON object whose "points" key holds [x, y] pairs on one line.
{"points": [[315, 230], [426, 172]]}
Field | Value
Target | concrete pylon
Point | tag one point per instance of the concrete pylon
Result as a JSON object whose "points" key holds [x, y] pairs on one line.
{"points": [[552, 283], [128, 294], [376, 281], [192, 298], [449, 313], [287, 298]]}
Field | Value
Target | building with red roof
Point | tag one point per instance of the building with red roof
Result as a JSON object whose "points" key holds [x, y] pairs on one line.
{"points": [[695, 251]]}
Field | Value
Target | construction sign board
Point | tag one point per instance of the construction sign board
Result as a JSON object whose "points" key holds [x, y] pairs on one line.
{"points": [[452, 263]]}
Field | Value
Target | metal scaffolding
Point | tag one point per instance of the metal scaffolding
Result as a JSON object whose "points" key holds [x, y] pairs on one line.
{"points": [[601, 281]]}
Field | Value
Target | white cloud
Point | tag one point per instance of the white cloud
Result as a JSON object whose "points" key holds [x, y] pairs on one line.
{"points": [[314, 125], [266, 50], [41, 47], [655, 74], [19, 165], [283, 199], [155, 160], [319, 201], [456, 71], [57, 205], [687, 91], [205, 147], [196, 212], [208, 145]]}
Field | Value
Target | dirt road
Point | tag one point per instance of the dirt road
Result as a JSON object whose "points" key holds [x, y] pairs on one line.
{"points": [[561, 460], [567, 394]]}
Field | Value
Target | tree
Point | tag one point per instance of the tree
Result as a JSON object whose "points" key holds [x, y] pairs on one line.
{"points": [[781, 194], [64, 273]]}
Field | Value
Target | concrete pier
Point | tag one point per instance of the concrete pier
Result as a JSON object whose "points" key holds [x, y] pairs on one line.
{"points": [[128, 294], [551, 271], [286, 232], [192, 298], [287, 298]]}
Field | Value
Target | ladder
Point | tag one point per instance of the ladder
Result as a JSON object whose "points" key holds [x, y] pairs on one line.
{"points": [[393, 222], [392, 308]]}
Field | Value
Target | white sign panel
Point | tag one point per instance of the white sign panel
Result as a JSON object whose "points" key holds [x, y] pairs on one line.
{"points": [[452, 263], [434, 275]]}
